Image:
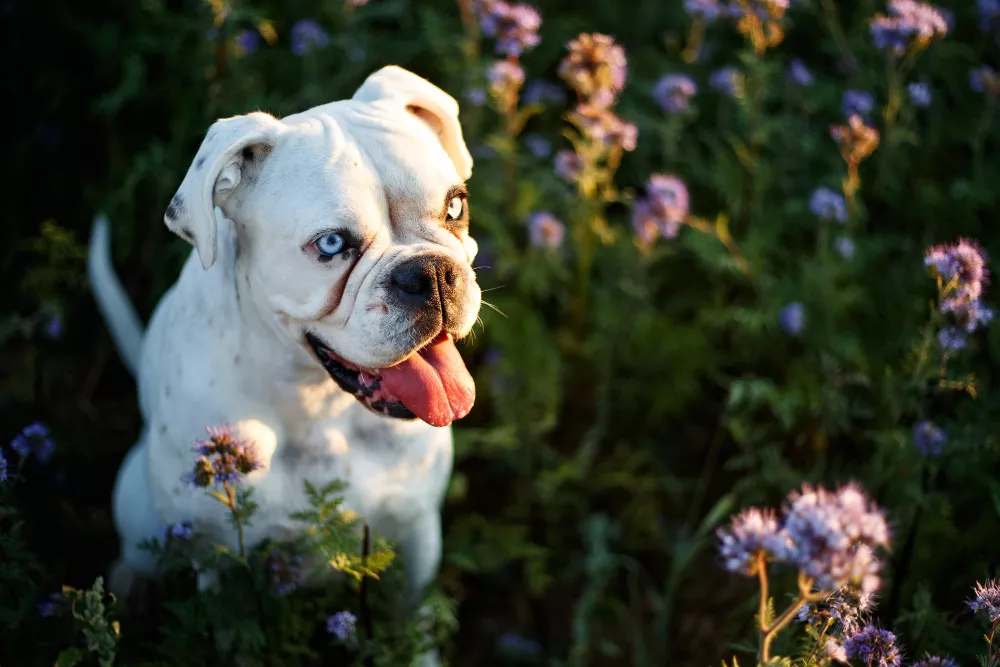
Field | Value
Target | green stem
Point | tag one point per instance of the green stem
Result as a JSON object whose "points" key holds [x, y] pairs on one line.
{"points": [[833, 23], [977, 142], [231, 495]]}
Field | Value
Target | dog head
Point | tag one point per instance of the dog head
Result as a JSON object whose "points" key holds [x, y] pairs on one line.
{"points": [[352, 222]]}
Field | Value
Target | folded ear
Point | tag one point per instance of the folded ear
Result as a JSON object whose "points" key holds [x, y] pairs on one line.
{"points": [[425, 101], [232, 151]]}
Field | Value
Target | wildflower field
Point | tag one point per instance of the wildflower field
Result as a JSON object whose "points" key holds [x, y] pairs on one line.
{"points": [[738, 383]]}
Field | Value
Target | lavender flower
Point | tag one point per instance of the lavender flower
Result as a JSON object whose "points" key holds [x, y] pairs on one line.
{"points": [[512, 643], [929, 438], [952, 339], [223, 458], [35, 439], [847, 607], [798, 74], [662, 210], [543, 92], [181, 531], [538, 145], [831, 537], [858, 103], [920, 94], [792, 318], [987, 599], [826, 204], [568, 165], [746, 538], [3, 469], [515, 26], [874, 645], [984, 79], [909, 24], [504, 76], [935, 661], [595, 68], [341, 625], [475, 96], [726, 81], [286, 571], [603, 126], [545, 230], [989, 16], [844, 246], [674, 92], [963, 263], [247, 41], [707, 10], [307, 35], [50, 606]]}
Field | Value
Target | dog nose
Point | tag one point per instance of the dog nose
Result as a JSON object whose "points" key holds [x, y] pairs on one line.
{"points": [[420, 280]]}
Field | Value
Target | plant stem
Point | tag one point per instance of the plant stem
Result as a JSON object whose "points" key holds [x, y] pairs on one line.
{"points": [[977, 142], [363, 605], [764, 645], [833, 23], [231, 495]]}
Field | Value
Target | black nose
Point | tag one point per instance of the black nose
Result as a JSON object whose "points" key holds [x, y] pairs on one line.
{"points": [[421, 280]]}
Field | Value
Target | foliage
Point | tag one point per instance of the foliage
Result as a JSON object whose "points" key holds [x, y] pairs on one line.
{"points": [[649, 363]]}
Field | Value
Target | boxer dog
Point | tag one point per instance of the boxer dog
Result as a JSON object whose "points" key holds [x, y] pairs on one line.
{"points": [[317, 315]]}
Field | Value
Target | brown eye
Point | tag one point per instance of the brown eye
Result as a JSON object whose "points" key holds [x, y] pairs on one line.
{"points": [[455, 208]]}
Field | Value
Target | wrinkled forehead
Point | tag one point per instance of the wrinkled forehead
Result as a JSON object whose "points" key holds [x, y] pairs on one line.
{"points": [[355, 165]]}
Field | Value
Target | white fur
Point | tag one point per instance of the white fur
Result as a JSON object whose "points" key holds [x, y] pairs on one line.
{"points": [[225, 344]]}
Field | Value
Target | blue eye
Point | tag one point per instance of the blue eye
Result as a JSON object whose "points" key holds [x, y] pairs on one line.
{"points": [[329, 245]]}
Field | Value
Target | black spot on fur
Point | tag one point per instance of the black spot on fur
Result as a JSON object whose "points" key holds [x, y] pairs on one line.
{"points": [[186, 234], [176, 208], [199, 163]]}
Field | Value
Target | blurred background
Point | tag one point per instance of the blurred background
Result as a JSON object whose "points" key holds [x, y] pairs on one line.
{"points": [[658, 354]]}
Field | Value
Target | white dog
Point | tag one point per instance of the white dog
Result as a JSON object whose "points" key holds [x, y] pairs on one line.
{"points": [[320, 322]]}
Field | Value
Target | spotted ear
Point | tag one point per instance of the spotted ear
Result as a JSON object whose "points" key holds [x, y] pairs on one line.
{"points": [[423, 99], [232, 151]]}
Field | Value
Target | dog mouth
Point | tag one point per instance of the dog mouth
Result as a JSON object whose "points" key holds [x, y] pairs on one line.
{"points": [[431, 384]]}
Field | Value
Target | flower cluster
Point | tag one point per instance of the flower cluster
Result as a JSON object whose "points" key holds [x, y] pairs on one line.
{"points": [[178, 531], [799, 74], [935, 661], [727, 80], [223, 459], [826, 204], [662, 210], [503, 76], [673, 92], [961, 269], [286, 571], [792, 318], [873, 645], [545, 230], [604, 127], [746, 539], [35, 439], [513, 26], [919, 94], [706, 10], [595, 69], [929, 438], [984, 79], [856, 140], [909, 24], [847, 609], [341, 625], [989, 16], [308, 35], [987, 599], [829, 536], [858, 103]]}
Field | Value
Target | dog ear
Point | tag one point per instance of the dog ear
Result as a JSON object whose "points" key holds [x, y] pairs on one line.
{"points": [[423, 99], [230, 150]]}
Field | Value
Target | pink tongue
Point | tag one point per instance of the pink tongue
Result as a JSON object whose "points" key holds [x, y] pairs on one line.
{"points": [[434, 384]]}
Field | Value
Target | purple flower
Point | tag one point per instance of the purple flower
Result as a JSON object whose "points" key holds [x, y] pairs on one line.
{"points": [[35, 439], [543, 92], [844, 246], [53, 327], [935, 661], [504, 76], [513, 643], [962, 264], [989, 15], [341, 625], [952, 339], [798, 74], [180, 531], [826, 204], [475, 96], [662, 210], [603, 126], [984, 79], [3, 469], [223, 458], [545, 230], [909, 23], [594, 67], [247, 41], [792, 318], [987, 599], [50, 606], [831, 537], [515, 27], [929, 438], [847, 607], [568, 165], [726, 81], [673, 92], [920, 94], [286, 571], [306, 35], [746, 538], [709, 10], [874, 645], [858, 103], [538, 145]]}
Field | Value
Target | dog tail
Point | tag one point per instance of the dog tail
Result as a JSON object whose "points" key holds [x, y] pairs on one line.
{"points": [[112, 301]]}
